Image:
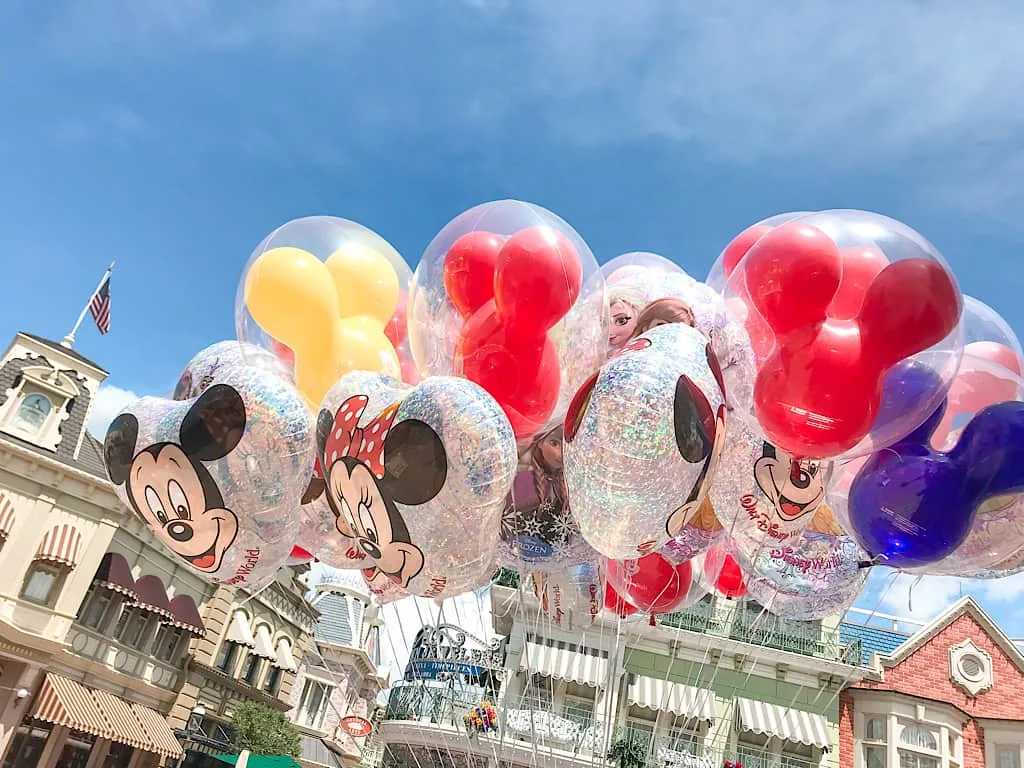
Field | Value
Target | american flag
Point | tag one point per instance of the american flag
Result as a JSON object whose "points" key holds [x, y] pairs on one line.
{"points": [[99, 307]]}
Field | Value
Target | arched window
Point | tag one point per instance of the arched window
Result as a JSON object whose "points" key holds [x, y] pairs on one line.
{"points": [[916, 736], [32, 413]]}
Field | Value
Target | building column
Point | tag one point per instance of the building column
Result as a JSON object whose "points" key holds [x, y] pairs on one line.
{"points": [[54, 746], [99, 753], [16, 675]]}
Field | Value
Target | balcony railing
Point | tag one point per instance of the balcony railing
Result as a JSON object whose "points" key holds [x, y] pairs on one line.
{"points": [[731, 620], [128, 661]]}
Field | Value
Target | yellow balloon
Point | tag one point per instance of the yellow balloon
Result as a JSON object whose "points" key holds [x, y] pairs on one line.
{"points": [[366, 282], [329, 314]]}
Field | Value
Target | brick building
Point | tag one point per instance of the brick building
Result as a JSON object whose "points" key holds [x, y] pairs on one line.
{"points": [[947, 697]]}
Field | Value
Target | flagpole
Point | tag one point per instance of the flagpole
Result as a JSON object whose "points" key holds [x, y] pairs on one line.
{"points": [[70, 338]]}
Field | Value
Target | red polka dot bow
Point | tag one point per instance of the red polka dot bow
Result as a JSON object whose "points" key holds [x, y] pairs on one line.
{"points": [[366, 444]]}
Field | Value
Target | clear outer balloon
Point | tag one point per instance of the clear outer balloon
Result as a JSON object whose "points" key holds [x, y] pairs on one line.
{"points": [[217, 478], [538, 532], [863, 308], [318, 535], [203, 369], [983, 325], [635, 280], [320, 292], [996, 534], [652, 583], [737, 248], [418, 476], [383, 589], [911, 506], [812, 575], [722, 572], [484, 266], [573, 598], [764, 498], [642, 442]]}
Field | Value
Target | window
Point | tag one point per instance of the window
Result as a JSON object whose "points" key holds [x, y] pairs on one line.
{"points": [[796, 755], [1008, 756], [272, 680], [31, 415], [918, 736], [919, 747], [313, 704], [27, 745], [874, 728], [167, 643], [131, 627], [752, 749], [682, 739], [538, 693], [251, 669], [579, 711], [227, 656], [76, 750], [642, 732], [43, 583], [874, 757], [95, 607]]}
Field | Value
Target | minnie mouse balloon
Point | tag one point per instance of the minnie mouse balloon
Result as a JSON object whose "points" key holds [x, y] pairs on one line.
{"points": [[417, 476], [643, 437], [216, 478], [318, 535]]}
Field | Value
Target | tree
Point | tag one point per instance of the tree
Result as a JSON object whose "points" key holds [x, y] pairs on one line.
{"points": [[264, 731], [628, 751]]}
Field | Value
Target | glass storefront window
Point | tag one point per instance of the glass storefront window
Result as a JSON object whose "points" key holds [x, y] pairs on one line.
{"points": [[27, 745], [76, 750]]}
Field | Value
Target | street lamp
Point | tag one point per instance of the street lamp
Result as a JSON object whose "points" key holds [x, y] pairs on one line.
{"points": [[192, 728]]}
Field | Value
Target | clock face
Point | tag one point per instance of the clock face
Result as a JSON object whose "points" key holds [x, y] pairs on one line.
{"points": [[356, 726]]}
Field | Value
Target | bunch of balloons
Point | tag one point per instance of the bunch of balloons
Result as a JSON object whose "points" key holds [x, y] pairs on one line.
{"points": [[632, 438]]}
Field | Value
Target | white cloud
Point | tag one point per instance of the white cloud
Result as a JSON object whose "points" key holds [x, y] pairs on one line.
{"points": [[106, 405]]}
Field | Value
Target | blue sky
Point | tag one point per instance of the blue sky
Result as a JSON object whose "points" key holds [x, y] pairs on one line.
{"points": [[174, 136]]}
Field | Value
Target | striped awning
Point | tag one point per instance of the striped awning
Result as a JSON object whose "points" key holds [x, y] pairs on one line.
{"points": [[152, 596], [115, 574], [283, 657], [784, 722], [126, 726], [60, 544], [679, 699], [239, 631], [65, 702], [6, 516], [564, 664], [158, 732], [264, 645], [185, 615]]}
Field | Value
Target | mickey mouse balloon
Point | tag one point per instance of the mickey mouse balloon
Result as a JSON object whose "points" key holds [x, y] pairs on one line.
{"points": [[642, 439], [216, 477], [417, 479]]}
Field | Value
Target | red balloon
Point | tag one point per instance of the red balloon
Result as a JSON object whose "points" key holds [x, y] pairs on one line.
{"points": [[739, 246], [652, 583], [729, 580], [503, 346], [616, 603], [538, 279], [469, 270], [520, 372], [817, 394], [398, 326], [284, 353], [860, 267], [299, 556]]}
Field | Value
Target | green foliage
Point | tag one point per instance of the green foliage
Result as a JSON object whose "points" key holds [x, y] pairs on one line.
{"points": [[628, 752], [506, 578], [264, 731]]}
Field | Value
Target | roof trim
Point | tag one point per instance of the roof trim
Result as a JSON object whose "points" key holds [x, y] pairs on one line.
{"points": [[56, 346], [965, 605]]}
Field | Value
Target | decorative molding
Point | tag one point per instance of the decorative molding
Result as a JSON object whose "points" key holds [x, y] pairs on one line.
{"points": [[970, 668]]}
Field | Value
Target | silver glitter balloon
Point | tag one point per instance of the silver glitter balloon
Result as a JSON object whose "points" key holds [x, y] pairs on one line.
{"points": [[642, 442], [418, 476], [204, 369], [217, 478]]}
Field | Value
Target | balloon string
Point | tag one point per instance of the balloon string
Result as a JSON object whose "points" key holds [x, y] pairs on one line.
{"points": [[910, 595]]}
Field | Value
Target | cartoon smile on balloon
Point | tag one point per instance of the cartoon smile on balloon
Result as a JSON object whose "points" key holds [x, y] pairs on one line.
{"points": [[370, 469], [167, 485], [794, 491]]}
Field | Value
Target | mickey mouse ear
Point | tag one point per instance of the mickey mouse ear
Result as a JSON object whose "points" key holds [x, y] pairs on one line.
{"points": [[694, 421]]}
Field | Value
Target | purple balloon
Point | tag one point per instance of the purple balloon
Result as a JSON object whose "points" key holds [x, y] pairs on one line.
{"points": [[911, 505]]}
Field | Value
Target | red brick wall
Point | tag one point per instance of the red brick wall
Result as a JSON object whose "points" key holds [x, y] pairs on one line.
{"points": [[925, 674]]}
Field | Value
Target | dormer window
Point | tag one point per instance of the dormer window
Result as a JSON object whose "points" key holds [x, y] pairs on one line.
{"points": [[33, 411]]}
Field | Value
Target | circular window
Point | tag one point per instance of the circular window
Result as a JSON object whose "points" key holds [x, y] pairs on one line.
{"points": [[972, 667]]}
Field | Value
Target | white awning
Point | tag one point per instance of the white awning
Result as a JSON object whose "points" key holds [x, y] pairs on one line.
{"points": [[679, 699], [264, 645], [283, 657], [239, 631], [563, 664], [784, 722]]}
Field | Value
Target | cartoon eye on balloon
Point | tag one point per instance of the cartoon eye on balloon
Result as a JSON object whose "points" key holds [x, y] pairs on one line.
{"points": [[643, 438], [215, 478], [417, 482]]}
